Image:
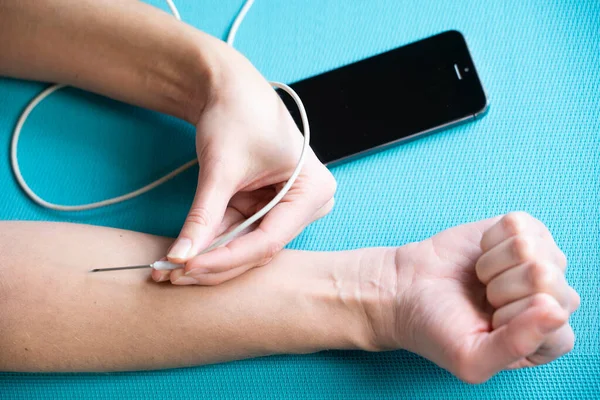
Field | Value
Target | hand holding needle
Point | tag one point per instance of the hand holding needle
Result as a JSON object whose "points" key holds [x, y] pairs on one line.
{"points": [[169, 266]]}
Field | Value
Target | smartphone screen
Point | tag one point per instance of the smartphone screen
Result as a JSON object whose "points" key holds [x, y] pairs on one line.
{"points": [[391, 97]]}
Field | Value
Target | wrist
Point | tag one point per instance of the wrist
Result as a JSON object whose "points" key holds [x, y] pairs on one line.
{"points": [[208, 69], [383, 278], [348, 300], [316, 309]]}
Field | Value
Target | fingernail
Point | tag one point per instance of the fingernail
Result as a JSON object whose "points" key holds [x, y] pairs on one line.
{"points": [[160, 276], [197, 271], [180, 249], [184, 280]]}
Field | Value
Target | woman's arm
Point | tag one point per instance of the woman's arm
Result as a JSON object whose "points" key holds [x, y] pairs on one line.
{"points": [[57, 316], [123, 49], [246, 142], [474, 310]]}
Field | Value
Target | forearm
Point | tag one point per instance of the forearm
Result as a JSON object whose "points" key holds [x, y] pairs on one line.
{"points": [[56, 316], [123, 49]]}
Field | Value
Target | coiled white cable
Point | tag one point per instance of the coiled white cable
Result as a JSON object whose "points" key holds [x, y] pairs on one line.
{"points": [[224, 239]]}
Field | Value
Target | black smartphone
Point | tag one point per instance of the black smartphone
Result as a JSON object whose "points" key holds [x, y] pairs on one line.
{"points": [[390, 98]]}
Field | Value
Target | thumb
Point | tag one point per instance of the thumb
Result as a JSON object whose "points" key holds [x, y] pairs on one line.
{"points": [[518, 339], [203, 220]]}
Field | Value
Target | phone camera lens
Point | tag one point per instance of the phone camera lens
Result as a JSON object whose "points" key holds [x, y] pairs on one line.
{"points": [[466, 69]]}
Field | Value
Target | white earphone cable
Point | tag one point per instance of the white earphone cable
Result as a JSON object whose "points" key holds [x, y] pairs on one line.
{"points": [[224, 239]]}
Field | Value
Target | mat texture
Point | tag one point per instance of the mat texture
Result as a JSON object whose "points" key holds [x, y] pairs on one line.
{"points": [[537, 150]]}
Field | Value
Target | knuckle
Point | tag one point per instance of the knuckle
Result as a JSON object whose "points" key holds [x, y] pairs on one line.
{"points": [[323, 182], [329, 205], [323, 189], [272, 248], [518, 349], [575, 300], [562, 260], [557, 315], [329, 185], [563, 318], [543, 300], [515, 222], [569, 342], [216, 169], [199, 216], [522, 248], [541, 277], [326, 209]]}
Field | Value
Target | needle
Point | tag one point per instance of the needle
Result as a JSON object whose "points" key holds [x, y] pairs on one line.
{"points": [[121, 268], [158, 265]]}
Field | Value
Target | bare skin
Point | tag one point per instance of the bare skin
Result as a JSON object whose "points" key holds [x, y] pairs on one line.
{"points": [[475, 299], [57, 316], [246, 142]]}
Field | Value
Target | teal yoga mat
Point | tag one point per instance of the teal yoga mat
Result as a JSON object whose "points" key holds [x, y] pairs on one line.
{"points": [[537, 150]]}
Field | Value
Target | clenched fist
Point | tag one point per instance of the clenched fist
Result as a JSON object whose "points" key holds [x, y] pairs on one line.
{"points": [[476, 299]]}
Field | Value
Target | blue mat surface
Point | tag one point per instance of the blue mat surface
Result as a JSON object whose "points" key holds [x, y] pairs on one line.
{"points": [[537, 150]]}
